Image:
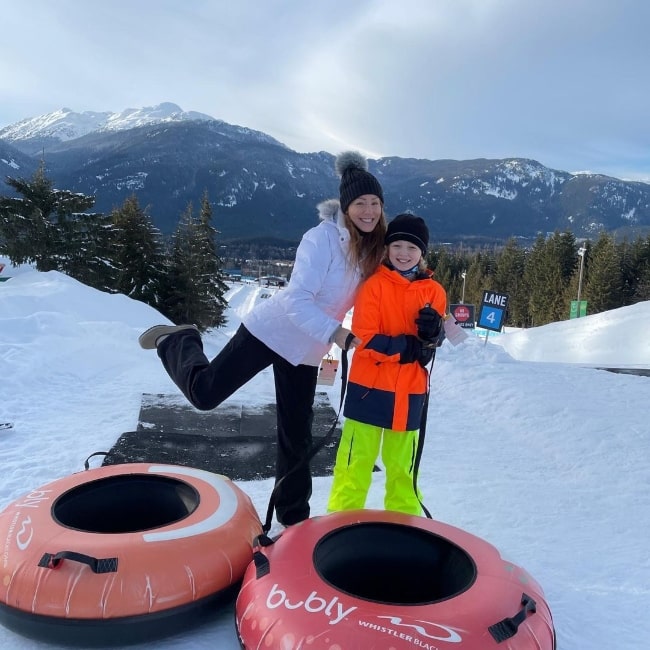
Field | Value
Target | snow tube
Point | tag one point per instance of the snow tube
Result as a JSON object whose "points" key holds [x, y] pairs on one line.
{"points": [[123, 553], [372, 580]]}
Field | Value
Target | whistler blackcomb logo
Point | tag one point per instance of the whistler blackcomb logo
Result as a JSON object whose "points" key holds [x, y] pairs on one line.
{"points": [[419, 633]]}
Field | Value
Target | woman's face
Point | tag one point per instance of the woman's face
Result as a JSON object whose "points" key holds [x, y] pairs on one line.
{"points": [[365, 212], [403, 255]]}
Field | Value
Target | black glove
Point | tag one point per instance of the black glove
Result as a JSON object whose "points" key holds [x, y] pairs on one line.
{"points": [[412, 351], [426, 355], [429, 324]]}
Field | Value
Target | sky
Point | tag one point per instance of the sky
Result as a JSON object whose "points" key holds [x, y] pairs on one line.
{"points": [[528, 446], [559, 82]]}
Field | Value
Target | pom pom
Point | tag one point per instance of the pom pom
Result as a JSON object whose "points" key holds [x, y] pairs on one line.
{"points": [[350, 160]]}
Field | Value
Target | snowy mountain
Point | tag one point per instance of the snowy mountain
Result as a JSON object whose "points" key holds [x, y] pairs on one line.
{"points": [[259, 187], [65, 124], [14, 162]]}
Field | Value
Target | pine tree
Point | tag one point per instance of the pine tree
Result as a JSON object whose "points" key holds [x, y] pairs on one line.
{"points": [[210, 276], [180, 301], [563, 251], [196, 286], [603, 285], [137, 255], [642, 291], [478, 278], [441, 263], [88, 245], [635, 270], [43, 227], [509, 279], [544, 283]]}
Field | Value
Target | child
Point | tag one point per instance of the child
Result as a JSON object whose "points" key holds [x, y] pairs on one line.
{"points": [[388, 381]]}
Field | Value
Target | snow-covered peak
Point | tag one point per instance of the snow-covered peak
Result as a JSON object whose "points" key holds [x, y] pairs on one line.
{"points": [[65, 124], [165, 112]]}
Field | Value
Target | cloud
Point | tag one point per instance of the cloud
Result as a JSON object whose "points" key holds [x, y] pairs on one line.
{"points": [[561, 82]]}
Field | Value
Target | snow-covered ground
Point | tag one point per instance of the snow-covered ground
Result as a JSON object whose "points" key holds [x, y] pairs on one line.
{"points": [[526, 447]]}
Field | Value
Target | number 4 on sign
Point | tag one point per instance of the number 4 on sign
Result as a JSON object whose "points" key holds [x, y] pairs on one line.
{"points": [[490, 318]]}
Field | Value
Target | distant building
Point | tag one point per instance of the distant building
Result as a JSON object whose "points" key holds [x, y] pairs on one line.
{"points": [[271, 281], [233, 275]]}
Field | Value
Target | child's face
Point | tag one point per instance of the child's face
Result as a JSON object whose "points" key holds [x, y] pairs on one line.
{"points": [[403, 255]]}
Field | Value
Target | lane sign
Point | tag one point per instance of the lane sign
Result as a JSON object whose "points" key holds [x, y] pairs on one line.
{"points": [[492, 312]]}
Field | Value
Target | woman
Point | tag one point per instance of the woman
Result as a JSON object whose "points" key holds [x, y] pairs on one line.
{"points": [[292, 330]]}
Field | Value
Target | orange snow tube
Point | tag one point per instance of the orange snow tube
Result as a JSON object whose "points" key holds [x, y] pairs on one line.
{"points": [[123, 553], [373, 580]]}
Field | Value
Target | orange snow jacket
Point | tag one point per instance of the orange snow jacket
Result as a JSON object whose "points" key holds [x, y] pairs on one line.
{"points": [[382, 391]]}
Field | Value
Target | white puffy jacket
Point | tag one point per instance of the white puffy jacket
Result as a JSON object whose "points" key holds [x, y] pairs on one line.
{"points": [[299, 321]]}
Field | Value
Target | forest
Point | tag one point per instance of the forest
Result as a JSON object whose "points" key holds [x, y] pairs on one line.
{"points": [[121, 252], [183, 275], [541, 280]]}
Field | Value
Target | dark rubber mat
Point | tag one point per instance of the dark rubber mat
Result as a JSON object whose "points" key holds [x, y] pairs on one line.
{"points": [[234, 440]]}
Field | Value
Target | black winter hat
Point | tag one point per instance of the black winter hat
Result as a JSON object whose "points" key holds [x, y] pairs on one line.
{"points": [[356, 180], [408, 227]]}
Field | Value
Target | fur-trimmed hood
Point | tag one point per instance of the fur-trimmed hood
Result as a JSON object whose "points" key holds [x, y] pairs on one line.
{"points": [[330, 210]]}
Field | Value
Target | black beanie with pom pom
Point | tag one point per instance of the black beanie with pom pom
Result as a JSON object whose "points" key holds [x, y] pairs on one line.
{"points": [[356, 180]]}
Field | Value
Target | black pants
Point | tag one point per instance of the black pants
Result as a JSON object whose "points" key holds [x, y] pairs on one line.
{"points": [[208, 383]]}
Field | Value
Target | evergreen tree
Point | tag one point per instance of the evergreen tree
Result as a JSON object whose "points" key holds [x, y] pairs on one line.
{"points": [[478, 278], [635, 270], [210, 276], [543, 280], [603, 286], [629, 273], [88, 250], [563, 251], [642, 290], [196, 286], [441, 263], [44, 225], [509, 279], [178, 303], [137, 257]]}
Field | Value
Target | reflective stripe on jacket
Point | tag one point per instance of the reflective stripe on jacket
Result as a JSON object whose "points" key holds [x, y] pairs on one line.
{"points": [[381, 391]]}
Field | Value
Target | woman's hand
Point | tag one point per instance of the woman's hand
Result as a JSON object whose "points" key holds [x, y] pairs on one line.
{"points": [[341, 337]]}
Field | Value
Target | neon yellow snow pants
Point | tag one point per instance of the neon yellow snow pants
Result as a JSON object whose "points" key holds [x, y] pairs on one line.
{"points": [[355, 459]]}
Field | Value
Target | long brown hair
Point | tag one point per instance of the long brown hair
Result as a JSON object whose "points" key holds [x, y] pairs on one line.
{"points": [[367, 250]]}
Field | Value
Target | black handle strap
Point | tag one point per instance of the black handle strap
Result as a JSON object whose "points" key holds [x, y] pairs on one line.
{"points": [[105, 565], [262, 564], [508, 627], [96, 453], [421, 435]]}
